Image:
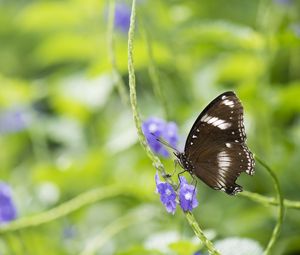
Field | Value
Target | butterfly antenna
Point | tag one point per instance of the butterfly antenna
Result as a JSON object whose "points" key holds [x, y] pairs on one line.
{"points": [[164, 142]]}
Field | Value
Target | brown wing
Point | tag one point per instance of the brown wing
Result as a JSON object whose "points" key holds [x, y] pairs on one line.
{"points": [[216, 147]]}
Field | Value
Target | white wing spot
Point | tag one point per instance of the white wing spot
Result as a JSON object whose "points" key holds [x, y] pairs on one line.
{"points": [[197, 130], [223, 97], [222, 124], [191, 143], [232, 132], [212, 119], [229, 103], [194, 136], [224, 161], [204, 117], [218, 122], [228, 145]]}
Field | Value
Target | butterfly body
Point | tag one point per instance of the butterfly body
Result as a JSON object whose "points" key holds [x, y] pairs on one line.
{"points": [[215, 150]]}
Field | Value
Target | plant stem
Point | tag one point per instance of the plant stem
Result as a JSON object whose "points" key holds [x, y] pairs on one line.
{"points": [[199, 233], [64, 209], [133, 100], [277, 228], [289, 204], [156, 162]]}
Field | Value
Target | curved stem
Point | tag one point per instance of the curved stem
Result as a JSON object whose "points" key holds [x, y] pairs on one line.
{"points": [[132, 88], [199, 233], [277, 228], [156, 162], [66, 208], [121, 87], [289, 204]]}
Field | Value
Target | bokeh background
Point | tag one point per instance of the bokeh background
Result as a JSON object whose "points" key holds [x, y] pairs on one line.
{"points": [[65, 131]]}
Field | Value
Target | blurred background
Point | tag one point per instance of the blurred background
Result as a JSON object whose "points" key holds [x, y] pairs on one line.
{"points": [[64, 130]]}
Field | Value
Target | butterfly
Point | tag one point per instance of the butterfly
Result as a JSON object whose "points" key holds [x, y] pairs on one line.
{"points": [[215, 150]]}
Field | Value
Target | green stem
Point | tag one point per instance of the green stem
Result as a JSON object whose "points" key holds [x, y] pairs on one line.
{"points": [[270, 200], [66, 208], [111, 52], [277, 228], [208, 244], [156, 162], [132, 88]]}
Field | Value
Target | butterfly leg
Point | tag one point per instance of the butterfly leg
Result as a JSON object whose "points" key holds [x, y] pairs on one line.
{"points": [[178, 175], [175, 166], [195, 185]]}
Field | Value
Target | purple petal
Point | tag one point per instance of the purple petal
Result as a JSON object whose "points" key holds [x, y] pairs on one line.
{"points": [[167, 194], [187, 196], [171, 206], [157, 180], [8, 210], [183, 181]]}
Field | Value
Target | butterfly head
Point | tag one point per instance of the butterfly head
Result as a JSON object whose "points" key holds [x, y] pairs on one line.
{"points": [[184, 162]]}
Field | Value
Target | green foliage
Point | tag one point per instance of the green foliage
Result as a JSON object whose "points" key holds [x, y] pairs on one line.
{"points": [[81, 182]]}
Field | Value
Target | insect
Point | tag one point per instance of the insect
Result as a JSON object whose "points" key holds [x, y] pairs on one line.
{"points": [[215, 150]]}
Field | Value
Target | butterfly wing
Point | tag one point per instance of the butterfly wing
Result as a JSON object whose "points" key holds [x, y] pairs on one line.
{"points": [[216, 147]]}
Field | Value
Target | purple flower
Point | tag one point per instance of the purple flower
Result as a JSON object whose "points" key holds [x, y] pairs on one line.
{"points": [[122, 17], [8, 210], [167, 194], [154, 127], [12, 121], [187, 195]]}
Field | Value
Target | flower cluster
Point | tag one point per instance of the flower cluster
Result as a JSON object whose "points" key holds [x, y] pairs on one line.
{"points": [[154, 128], [187, 195], [8, 210]]}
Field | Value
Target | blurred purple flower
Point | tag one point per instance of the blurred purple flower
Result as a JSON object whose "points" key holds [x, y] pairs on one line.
{"points": [[284, 2], [198, 253], [8, 210], [296, 29], [69, 231], [154, 127], [122, 17], [167, 194], [12, 121], [187, 195]]}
